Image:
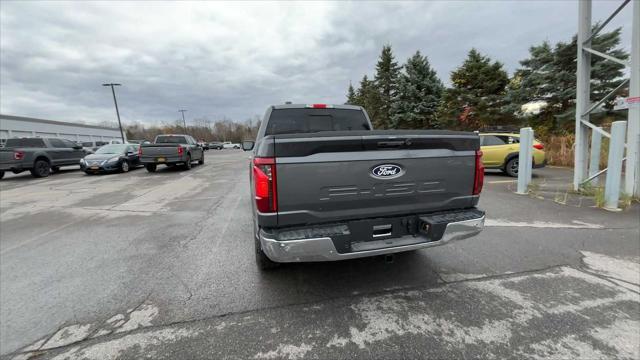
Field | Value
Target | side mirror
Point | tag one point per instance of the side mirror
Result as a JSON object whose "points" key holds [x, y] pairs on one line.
{"points": [[247, 145]]}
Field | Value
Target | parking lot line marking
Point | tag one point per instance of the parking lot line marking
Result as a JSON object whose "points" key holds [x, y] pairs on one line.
{"points": [[501, 181], [542, 224]]}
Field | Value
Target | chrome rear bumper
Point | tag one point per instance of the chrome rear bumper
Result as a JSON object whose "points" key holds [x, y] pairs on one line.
{"points": [[322, 248]]}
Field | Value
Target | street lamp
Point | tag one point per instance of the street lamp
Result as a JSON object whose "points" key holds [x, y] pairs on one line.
{"points": [[116, 103], [184, 122]]}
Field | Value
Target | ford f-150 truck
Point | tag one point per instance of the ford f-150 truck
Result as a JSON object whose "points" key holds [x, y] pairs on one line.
{"points": [[40, 156], [171, 150], [325, 186]]}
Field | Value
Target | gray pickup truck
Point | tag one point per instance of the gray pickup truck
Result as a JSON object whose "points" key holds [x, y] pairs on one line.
{"points": [[171, 150], [325, 186], [40, 156]]}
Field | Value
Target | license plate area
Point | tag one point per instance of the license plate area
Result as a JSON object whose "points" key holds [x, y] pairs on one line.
{"points": [[383, 228], [161, 159]]}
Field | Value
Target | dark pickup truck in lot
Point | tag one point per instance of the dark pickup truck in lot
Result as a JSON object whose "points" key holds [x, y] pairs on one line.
{"points": [[40, 156], [171, 150], [325, 186]]}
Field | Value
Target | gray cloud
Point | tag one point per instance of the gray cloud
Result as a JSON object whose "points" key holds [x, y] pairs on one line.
{"points": [[235, 59]]}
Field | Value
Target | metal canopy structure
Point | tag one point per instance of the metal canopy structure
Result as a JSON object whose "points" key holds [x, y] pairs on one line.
{"points": [[584, 107]]}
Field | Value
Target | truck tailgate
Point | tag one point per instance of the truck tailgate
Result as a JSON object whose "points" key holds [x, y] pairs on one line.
{"points": [[329, 177], [153, 150], [6, 158]]}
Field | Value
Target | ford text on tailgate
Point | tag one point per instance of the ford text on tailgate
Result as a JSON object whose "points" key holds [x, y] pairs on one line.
{"points": [[325, 186]]}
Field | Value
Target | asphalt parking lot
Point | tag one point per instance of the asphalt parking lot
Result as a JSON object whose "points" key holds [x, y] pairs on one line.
{"points": [[161, 266]]}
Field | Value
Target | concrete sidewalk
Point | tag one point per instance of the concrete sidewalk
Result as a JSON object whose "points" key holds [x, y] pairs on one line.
{"points": [[556, 184]]}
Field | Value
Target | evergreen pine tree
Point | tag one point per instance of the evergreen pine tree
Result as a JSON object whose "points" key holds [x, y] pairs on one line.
{"points": [[385, 80], [549, 75], [477, 94], [418, 96], [351, 95], [368, 97]]}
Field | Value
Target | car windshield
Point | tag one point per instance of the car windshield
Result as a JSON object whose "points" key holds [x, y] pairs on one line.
{"points": [[112, 149]]}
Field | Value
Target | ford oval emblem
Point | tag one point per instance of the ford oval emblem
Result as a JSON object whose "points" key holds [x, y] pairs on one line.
{"points": [[387, 171]]}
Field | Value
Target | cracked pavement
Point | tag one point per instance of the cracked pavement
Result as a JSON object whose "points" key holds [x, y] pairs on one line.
{"points": [[142, 265]]}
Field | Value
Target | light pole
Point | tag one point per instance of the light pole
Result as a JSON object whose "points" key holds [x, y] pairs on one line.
{"points": [[117, 112], [184, 122]]}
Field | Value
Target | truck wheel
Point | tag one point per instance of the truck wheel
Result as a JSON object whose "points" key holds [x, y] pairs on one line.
{"points": [[201, 161], [187, 163], [124, 166], [263, 262], [512, 167], [151, 167], [41, 168], [1, 174]]}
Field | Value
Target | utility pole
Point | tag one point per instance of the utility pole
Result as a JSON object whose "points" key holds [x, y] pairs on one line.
{"points": [[184, 122], [117, 111], [632, 174], [584, 106], [582, 94]]}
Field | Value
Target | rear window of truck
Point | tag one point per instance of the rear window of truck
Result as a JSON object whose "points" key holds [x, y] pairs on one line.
{"points": [[171, 140], [25, 142], [297, 121]]}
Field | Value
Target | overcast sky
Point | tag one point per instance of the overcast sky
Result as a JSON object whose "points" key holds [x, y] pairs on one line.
{"points": [[234, 59]]}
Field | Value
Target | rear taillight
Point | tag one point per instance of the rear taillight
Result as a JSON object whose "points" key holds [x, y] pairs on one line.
{"points": [[320, 106], [538, 146], [18, 155], [264, 179], [140, 151], [478, 180], [180, 151]]}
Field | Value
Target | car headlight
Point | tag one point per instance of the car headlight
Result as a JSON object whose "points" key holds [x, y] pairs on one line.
{"points": [[113, 159]]}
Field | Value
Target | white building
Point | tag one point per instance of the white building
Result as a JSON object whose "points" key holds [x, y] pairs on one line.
{"points": [[19, 126]]}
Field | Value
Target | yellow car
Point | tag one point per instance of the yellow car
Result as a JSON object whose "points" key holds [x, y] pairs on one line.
{"points": [[500, 151]]}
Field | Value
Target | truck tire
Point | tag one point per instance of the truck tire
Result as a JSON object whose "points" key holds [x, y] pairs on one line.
{"points": [[201, 161], [187, 163], [151, 167], [124, 166], [41, 168], [262, 260], [1, 174], [511, 168]]}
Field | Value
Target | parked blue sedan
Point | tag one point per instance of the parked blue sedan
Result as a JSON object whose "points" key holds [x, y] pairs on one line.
{"points": [[112, 158]]}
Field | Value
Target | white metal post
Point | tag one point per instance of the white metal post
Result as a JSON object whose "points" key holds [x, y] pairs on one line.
{"points": [[582, 92], [594, 158], [614, 172], [632, 174], [524, 154], [529, 158]]}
